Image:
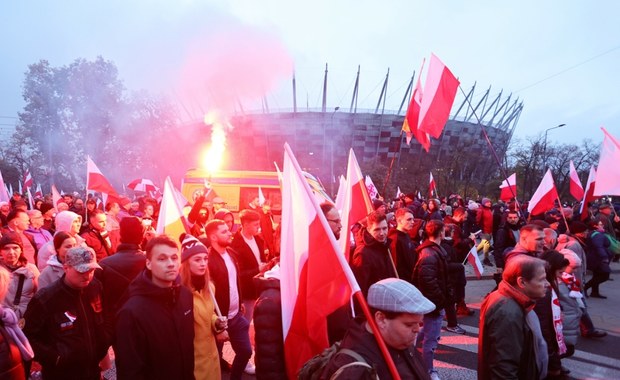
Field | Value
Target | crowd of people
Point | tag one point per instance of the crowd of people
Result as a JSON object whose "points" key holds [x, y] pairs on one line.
{"points": [[77, 278]]}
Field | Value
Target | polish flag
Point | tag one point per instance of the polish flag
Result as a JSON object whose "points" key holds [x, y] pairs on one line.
{"points": [[315, 278], [588, 195], [575, 183], [56, 197], [340, 195], [4, 192], [27, 180], [38, 192], [432, 187], [410, 124], [171, 221], [508, 188], [439, 93], [608, 172], [356, 205], [474, 260], [398, 193], [96, 181], [372, 189], [545, 196]]}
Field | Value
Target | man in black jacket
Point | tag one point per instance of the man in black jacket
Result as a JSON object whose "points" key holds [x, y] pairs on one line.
{"points": [[430, 275], [121, 268], [155, 327], [402, 248], [224, 271], [65, 323], [371, 260]]}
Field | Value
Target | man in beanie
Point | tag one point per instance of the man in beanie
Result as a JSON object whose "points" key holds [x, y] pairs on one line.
{"points": [[397, 308], [155, 326], [117, 271], [65, 324]]}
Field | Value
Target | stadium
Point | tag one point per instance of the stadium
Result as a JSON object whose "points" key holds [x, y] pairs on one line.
{"points": [[321, 137]]}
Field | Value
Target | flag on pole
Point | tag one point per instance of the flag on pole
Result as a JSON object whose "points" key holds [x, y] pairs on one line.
{"points": [[608, 172], [545, 196], [439, 93], [171, 218], [30, 201], [55, 196], [356, 205], [398, 193], [474, 260], [411, 121], [96, 181], [508, 188], [38, 192], [575, 183], [432, 187], [27, 179], [4, 193], [372, 189], [261, 197], [340, 195], [315, 278], [588, 195]]}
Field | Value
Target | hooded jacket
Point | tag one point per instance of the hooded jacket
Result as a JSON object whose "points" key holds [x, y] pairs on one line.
{"points": [[371, 261], [30, 275], [155, 332], [51, 273], [268, 326], [63, 221], [430, 275]]}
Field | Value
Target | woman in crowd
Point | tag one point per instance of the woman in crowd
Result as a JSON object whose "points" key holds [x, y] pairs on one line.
{"points": [[24, 275], [15, 350], [207, 326], [63, 242]]}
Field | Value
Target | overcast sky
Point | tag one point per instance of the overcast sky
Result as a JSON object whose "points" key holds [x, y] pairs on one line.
{"points": [[560, 57]]}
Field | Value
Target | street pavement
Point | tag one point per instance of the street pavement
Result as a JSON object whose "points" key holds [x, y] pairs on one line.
{"points": [[456, 357]]}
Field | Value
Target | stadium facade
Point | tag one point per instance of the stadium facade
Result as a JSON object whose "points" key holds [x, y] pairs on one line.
{"points": [[321, 138]]}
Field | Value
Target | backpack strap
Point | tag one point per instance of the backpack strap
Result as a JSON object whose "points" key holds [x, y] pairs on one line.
{"points": [[20, 288], [360, 361]]}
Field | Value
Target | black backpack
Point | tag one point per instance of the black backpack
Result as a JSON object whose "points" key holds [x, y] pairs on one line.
{"points": [[313, 368]]}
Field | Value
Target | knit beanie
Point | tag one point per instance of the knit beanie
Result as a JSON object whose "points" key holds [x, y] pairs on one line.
{"points": [[190, 246], [11, 238], [132, 230]]}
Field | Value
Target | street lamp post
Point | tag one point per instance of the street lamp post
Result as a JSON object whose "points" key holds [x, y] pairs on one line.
{"points": [[545, 146]]}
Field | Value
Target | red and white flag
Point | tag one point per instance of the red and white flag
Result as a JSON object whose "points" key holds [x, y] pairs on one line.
{"points": [[4, 192], [508, 188], [608, 172], [588, 195], [474, 260], [575, 183], [356, 205], [545, 196], [411, 121], [315, 278], [27, 179], [56, 197], [171, 219], [372, 189], [38, 192], [340, 194], [96, 181], [439, 93], [261, 197], [398, 193], [432, 187]]}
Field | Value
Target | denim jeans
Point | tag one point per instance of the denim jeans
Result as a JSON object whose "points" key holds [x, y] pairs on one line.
{"points": [[238, 331], [429, 335]]}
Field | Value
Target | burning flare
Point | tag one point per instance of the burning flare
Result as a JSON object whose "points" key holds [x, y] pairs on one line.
{"points": [[214, 154]]}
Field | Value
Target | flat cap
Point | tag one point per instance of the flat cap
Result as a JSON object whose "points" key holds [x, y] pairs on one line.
{"points": [[395, 295]]}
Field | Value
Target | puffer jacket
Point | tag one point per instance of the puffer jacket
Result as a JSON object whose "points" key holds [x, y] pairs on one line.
{"points": [[598, 252], [571, 313], [430, 275], [51, 273], [30, 273], [572, 243], [371, 261], [268, 326]]}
